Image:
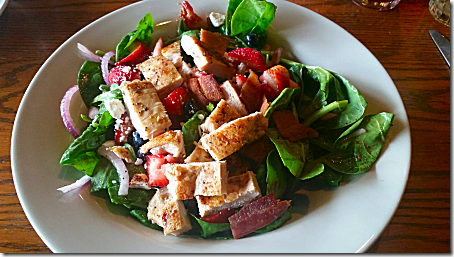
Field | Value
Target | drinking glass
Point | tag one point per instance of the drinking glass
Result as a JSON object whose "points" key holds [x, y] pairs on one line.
{"points": [[380, 5], [440, 10]]}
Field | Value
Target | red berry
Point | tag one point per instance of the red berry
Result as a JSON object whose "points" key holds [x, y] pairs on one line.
{"points": [[155, 170], [140, 54], [174, 102], [251, 57], [156, 166], [119, 74]]}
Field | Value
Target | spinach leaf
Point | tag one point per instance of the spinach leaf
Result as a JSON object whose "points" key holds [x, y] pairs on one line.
{"points": [[143, 34], [135, 197], [233, 4], [287, 215], [357, 149], [101, 173], [190, 131], [293, 154], [252, 16], [330, 177], [121, 50], [89, 79], [142, 217], [182, 27], [113, 92], [312, 169], [283, 101], [83, 151], [209, 229], [352, 112], [276, 182]]}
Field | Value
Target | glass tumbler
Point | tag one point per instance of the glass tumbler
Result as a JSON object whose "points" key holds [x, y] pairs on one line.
{"points": [[440, 10], [379, 5]]}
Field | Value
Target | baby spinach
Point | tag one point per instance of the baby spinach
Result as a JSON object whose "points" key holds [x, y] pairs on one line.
{"points": [[89, 79], [190, 131], [208, 229], [142, 217], [358, 148], [101, 173], [293, 154], [142, 33], [287, 215], [283, 101], [252, 16], [108, 93], [276, 182], [233, 4]]}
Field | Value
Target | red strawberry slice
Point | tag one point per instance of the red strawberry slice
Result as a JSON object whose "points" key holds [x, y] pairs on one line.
{"points": [[140, 54], [174, 102], [220, 217], [277, 78], [119, 74], [251, 57], [190, 19], [156, 166], [123, 127], [240, 80], [155, 169]]}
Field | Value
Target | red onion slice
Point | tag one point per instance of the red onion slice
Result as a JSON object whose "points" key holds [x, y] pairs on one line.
{"points": [[105, 66], [66, 115], [157, 48], [87, 54], [92, 112], [78, 184], [118, 163]]}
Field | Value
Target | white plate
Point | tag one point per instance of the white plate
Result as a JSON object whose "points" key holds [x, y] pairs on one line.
{"points": [[3, 4], [347, 219]]}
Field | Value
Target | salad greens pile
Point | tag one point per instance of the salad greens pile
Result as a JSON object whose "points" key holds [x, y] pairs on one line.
{"points": [[348, 142]]}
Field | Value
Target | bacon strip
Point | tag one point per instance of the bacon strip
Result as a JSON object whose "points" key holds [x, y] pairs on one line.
{"points": [[257, 215], [290, 128], [210, 88]]}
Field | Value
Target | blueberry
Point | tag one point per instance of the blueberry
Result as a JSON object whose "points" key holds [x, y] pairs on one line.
{"points": [[252, 40], [190, 108], [137, 141]]}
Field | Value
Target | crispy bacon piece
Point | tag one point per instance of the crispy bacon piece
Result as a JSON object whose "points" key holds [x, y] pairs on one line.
{"points": [[257, 150], [265, 105], [256, 215], [220, 217], [190, 19], [196, 92], [252, 93], [290, 128], [210, 88]]}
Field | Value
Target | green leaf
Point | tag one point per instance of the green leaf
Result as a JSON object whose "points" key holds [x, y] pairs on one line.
{"points": [[143, 31], [113, 92], [89, 79], [142, 217], [209, 229], [190, 130], [358, 148], [233, 4], [121, 50], [277, 223], [293, 154], [182, 27], [252, 15], [283, 101], [101, 173], [276, 182]]}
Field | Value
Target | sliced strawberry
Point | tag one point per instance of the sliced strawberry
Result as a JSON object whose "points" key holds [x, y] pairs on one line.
{"points": [[175, 100], [140, 54], [220, 217], [277, 77], [190, 19], [119, 74], [123, 127], [251, 57], [155, 169], [158, 47], [156, 166], [240, 80]]}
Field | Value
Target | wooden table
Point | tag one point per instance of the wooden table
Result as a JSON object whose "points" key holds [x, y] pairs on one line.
{"points": [[31, 30]]}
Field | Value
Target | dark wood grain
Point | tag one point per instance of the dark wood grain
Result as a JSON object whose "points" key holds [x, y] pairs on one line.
{"points": [[31, 30]]}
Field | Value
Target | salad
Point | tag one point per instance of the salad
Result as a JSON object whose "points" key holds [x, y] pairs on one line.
{"points": [[208, 134]]}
